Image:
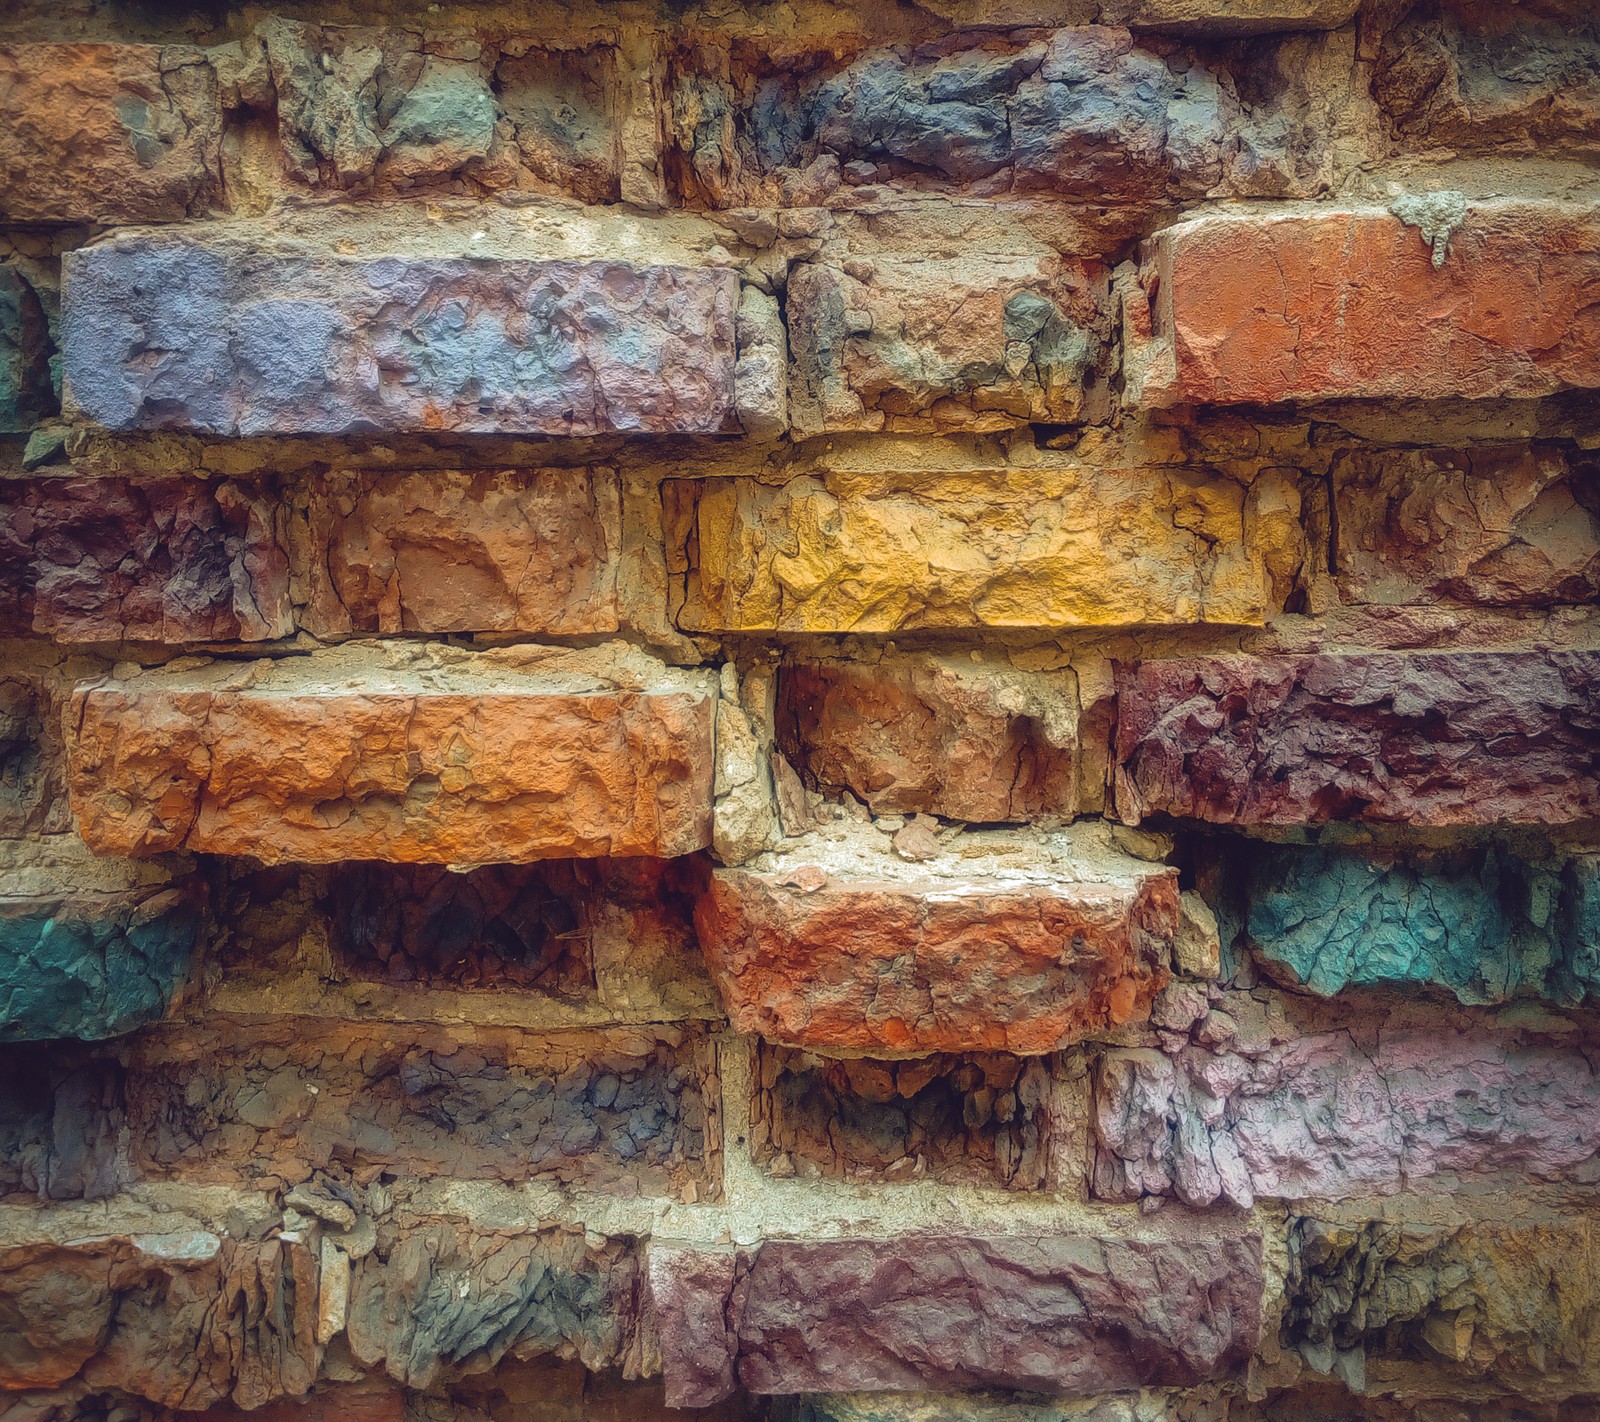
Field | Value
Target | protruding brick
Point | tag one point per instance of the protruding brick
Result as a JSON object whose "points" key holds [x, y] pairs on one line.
{"points": [[1036, 548], [237, 1105], [986, 344], [422, 755], [90, 949], [1503, 526], [1480, 923], [256, 338], [161, 560], [1000, 942], [108, 132], [940, 735], [1431, 738], [1060, 1314], [1353, 305], [461, 551], [1329, 1113]]}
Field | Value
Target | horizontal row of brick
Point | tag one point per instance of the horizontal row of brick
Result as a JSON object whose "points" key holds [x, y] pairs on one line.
{"points": [[542, 551], [229, 330], [835, 943], [128, 132], [196, 1317]]}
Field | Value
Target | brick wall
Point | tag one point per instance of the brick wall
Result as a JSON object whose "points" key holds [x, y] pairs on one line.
{"points": [[822, 713]]}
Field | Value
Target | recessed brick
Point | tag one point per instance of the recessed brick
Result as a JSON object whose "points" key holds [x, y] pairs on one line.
{"points": [[162, 560], [1002, 942], [1035, 548], [1498, 526], [25, 394], [33, 789], [1048, 1313], [938, 735], [1429, 738], [1351, 305], [108, 132], [426, 755], [229, 1105], [255, 339], [460, 551]]}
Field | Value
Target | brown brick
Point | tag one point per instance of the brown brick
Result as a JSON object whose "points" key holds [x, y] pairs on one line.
{"points": [[1350, 305], [421, 755]]}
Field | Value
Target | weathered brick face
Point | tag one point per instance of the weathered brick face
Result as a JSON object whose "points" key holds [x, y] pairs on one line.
{"points": [[829, 712]]}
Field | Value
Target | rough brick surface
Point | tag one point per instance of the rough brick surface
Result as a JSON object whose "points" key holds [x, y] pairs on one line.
{"points": [[1252, 310], [468, 760], [1003, 944], [937, 735], [1010, 548], [24, 353], [1449, 738], [1043, 1314], [1332, 1114], [265, 342], [164, 560], [108, 132], [460, 551]]}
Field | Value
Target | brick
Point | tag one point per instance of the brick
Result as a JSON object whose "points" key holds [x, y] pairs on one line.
{"points": [[1084, 111], [108, 132], [1507, 1303], [1497, 526], [25, 394], [984, 343], [1431, 738], [257, 339], [1478, 923], [231, 1104], [460, 551], [420, 755], [1228, 17], [90, 954], [976, 1120], [163, 560], [1350, 305], [190, 1319], [33, 789], [1027, 548], [1002, 942], [933, 734], [60, 1122], [1053, 1314], [1340, 1111], [1480, 86]]}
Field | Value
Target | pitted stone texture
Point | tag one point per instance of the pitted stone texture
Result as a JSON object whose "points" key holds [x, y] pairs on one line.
{"points": [[89, 950], [162, 560], [421, 755], [233, 1104], [1050, 1314], [1432, 738], [1034, 548], [108, 132], [221, 336], [1481, 924], [460, 551], [985, 343], [1508, 1302], [1500, 526], [1350, 305], [985, 1119], [1484, 82], [1085, 112], [1338, 1112], [1001, 942], [25, 394], [939, 735]]}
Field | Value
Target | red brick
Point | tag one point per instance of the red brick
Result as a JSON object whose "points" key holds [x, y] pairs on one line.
{"points": [[1349, 305]]}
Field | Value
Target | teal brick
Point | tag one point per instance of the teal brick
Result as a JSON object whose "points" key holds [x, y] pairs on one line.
{"points": [[92, 968]]}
